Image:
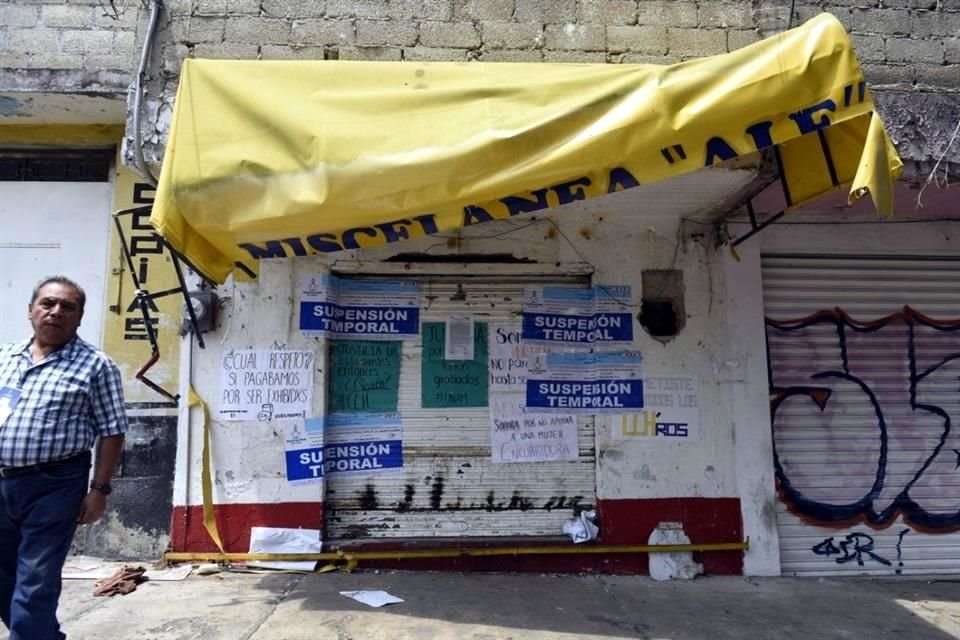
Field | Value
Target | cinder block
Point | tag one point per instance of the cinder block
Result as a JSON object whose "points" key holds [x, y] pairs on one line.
{"points": [[909, 50], [934, 24], [641, 39], [575, 37], [226, 51], [869, 48], [640, 58], [122, 63], [739, 38], [457, 35], [55, 61], [179, 7], [357, 8], [13, 16], [386, 32], [34, 40], [65, 15], [951, 50], [247, 7], [95, 42], [882, 21], [383, 54], [696, 43], [124, 43], [282, 52], [211, 7], [431, 54], [511, 35], [439, 10], [249, 30], [506, 55], [912, 4], [888, 75], [607, 12], [722, 15], [205, 29], [667, 13], [937, 76], [484, 10], [104, 18], [546, 11], [577, 57], [322, 32], [293, 8]]}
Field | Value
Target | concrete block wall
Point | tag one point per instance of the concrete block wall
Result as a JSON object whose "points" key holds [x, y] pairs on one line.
{"points": [[68, 46], [909, 49]]}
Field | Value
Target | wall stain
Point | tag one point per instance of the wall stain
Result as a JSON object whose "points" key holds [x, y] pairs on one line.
{"points": [[368, 499], [408, 492], [436, 494]]}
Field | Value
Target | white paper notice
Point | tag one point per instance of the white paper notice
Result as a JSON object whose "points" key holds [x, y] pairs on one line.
{"points": [[279, 540], [510, 357], [516, 436], [671, 411], [265, 386], [458, 338], [372, 598]]}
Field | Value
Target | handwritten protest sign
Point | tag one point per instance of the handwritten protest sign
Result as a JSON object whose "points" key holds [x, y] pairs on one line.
{"points": [[364, 376], [265, 385], [452, 383], [516, 436], [510, 357]]}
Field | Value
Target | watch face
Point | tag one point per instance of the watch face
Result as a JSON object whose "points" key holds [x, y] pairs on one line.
{"points": [[105, 489]]}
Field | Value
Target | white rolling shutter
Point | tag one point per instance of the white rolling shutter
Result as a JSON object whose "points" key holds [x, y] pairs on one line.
{"points": [[448, 486], [870, 483]]}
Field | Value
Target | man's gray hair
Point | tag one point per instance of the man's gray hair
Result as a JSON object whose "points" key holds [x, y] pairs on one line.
{"points": [[65, 281]]}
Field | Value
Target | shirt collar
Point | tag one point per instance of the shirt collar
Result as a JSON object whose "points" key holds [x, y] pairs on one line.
{"points": [[66, 352]]}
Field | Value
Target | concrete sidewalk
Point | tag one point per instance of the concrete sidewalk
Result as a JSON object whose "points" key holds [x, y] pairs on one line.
{"points": [[238, 606]]}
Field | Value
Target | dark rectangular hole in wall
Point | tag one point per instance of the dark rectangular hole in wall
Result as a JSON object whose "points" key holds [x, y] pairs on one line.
{"points": [[56, 165]]}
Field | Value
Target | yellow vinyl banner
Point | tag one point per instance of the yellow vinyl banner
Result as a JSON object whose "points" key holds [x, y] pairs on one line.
{"points": [[274, 159]]}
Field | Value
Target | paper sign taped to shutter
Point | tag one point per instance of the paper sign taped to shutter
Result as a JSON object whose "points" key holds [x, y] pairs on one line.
{"points": [[516, 436], [566, 316], [355, 308], [586, 383]]}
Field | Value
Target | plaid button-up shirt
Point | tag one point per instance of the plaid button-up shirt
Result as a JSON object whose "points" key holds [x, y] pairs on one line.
{"points": [[68, 399]]}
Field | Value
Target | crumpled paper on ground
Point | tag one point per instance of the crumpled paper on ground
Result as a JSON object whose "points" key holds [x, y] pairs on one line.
{"points": [[582, 528]]}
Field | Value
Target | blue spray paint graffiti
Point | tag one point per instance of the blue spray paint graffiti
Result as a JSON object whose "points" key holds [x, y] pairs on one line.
{"points": [[886, 429]]}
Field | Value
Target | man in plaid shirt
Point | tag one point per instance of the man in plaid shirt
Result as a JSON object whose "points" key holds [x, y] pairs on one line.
{"points": [[58, 395]]}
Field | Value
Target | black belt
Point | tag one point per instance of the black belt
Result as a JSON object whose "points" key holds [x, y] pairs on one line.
{"points": [[12, 472]]}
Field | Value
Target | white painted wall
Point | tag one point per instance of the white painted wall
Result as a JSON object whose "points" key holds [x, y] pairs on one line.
{"points": [[620, 235], [51, 228]]}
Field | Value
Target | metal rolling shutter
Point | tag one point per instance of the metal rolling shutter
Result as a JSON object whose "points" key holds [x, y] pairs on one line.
{"points": [[448, 486], [862, 499]]}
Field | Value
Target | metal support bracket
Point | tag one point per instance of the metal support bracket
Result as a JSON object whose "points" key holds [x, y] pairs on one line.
{"points": [[144, 298]]}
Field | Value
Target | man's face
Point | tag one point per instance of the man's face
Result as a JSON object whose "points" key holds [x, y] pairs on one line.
{"points": [[55, 314]]}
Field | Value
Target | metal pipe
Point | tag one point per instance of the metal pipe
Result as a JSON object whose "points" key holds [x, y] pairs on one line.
{"points": [[138, 91], [355, 556]]}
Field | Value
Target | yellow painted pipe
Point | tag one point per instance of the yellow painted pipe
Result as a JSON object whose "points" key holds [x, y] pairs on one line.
{"points": [[355, 556]]}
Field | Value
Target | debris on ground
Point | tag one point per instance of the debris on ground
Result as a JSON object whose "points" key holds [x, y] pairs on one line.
{"points": [[123, 581]]}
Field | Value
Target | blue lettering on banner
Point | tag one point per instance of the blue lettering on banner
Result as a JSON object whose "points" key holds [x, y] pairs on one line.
{"points": [[598, 327], [304, 464], [585, 395], [359, 321], [363, 456]]}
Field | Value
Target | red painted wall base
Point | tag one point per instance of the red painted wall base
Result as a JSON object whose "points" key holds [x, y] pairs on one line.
{"points": [[705, 520]]}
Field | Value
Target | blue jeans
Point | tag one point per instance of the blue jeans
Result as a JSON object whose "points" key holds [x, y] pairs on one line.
{"points": [[38, 517]]}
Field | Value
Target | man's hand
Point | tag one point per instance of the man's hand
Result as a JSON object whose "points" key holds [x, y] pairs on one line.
{"points": [[92, 507]]}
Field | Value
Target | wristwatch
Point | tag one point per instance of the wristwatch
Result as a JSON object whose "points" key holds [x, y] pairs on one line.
{"points": [[105, 489]]}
